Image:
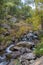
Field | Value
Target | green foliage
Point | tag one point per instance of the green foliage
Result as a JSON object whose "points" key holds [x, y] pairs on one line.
{"points": [[10, 8], [37, 1], [14, 8], [35, 21], [1, 39], [39, 9], [39, 49]]}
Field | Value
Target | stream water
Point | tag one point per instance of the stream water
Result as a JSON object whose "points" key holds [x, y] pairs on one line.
{"points": [[3, 58], [3, 63], [8, 48]]}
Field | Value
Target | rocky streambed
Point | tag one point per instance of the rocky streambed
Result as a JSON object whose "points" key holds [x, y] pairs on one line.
{"points": [[22, 51]]}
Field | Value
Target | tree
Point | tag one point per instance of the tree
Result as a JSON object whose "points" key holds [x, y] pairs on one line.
{"points": [[8, 6], [1, 8], [39, 8]]}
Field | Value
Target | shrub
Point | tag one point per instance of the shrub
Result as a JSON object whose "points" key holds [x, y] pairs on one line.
{"points": [[39, 49]]}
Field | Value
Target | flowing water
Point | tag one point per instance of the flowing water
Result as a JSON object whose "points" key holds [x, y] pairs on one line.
{"points": [[3, 63], [8, 48], [3, 58]]}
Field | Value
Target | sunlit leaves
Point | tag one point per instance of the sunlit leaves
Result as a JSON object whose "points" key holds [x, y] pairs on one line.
{"points": [[9, 4], [36, 22], [39, 49]]}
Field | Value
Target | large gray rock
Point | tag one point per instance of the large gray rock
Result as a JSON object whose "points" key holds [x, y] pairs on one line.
{"points": [[27, 56], [25, 44]]}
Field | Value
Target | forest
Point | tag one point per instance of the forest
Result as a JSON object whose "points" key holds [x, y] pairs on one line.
{"points": [[21, 32]]}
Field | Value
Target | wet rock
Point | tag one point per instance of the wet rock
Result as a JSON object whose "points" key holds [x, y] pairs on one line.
{"points": [[25, 44], [24, 39], [30, 34], [27, 56], [33, 35], [2, 58], [13, 55]]}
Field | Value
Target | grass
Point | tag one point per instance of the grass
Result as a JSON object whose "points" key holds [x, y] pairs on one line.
{"points": [[39, 49]]}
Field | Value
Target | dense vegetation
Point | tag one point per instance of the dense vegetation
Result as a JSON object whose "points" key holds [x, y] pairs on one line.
{"points": [[26, 19]]}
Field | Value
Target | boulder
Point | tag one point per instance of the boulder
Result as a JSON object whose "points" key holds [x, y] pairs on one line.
{"points": [[25, 44], [27, 56]]}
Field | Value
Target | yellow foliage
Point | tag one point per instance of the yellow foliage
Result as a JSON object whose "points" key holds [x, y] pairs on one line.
{"points": [[36, 22], [22, 30], [28, 20]]}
